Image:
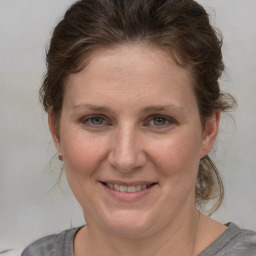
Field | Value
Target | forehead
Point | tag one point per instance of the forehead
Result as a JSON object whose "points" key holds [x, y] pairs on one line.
{"points": [[133, 72], [134, 56]]}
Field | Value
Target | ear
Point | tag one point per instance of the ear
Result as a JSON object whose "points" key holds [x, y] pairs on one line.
{"points": [[55, 136], [210, 133]]}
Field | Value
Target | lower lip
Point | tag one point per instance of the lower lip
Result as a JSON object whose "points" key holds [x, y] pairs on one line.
{"points": [[127, 196]]}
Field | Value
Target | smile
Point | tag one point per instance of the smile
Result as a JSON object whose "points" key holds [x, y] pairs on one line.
{"points": [[129, 189], [128, 192]]}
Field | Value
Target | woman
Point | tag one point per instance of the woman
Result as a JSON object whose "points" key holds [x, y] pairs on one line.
{"points": [[134, 104]]}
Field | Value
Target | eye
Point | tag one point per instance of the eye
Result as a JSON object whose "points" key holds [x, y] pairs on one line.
{"points": [[160, 121], [94, 121]]}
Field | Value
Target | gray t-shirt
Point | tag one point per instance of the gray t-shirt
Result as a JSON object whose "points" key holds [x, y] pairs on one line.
{"points": [[233, 242]]}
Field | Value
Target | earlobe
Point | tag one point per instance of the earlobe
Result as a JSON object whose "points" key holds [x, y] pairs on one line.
{"points": [[52, 128], [210, 133]]}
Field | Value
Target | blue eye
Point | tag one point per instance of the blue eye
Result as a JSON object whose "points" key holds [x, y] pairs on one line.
{"points": [[159, 121], [94, 121]]}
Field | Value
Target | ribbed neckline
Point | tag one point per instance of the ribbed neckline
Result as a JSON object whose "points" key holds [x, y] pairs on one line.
{"points": [[232, 231], [66, 238], [64, 244]]}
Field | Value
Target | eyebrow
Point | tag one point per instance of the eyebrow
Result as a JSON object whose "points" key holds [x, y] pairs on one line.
{"points": [[162, 108], [93, 107], [98, 108]]}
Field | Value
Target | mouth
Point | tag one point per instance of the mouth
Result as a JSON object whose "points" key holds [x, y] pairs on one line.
{"points": [[128, 189]]}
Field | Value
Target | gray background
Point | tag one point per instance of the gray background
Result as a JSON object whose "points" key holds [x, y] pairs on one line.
{"points": [[29, 207]]}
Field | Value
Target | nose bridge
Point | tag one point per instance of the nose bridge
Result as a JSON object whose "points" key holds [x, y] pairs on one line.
{"points": [[126, 153]]}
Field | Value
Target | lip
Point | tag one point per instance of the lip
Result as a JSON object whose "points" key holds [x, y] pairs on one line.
{"points": [[128, 196], [128, 183]]}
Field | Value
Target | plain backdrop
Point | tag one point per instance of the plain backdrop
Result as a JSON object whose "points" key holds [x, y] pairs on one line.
{"points": [[30, 205]]}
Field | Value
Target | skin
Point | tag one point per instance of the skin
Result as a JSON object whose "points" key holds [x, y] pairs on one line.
{"points": [[131, 117]]}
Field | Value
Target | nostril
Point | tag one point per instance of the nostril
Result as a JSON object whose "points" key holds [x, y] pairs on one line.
{"points": [[126, 161]]}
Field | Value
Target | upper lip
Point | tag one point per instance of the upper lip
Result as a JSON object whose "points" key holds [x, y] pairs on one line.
{"points": [[131, 183]]}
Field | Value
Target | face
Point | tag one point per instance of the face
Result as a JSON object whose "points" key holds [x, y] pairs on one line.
{"points": [[131, 139]]}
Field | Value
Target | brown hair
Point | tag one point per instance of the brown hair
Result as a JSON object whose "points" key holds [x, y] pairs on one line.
{"points": [[181, 26]]}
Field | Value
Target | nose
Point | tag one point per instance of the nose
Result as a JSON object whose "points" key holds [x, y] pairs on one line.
{"points": [[126, 152]]}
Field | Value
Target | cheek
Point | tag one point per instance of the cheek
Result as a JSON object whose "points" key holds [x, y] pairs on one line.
{"points": [[83, 158], [177, 157], [83, 154]]}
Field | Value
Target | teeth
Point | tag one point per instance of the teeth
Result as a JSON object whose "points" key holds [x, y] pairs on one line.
{"points": [[138, 187], [129, 189], [123, 188], [143, 186]]}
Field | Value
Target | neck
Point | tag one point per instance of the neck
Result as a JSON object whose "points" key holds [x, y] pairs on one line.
{"points": [[176, 239]]}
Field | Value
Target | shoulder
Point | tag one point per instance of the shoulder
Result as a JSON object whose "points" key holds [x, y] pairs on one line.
{"points": [[52, 245], [234, 241], [43, 246], [243, 243]]}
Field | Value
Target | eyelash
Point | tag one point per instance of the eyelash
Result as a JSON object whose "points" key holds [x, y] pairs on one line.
{"points": [[164, 118], [88, 121]]}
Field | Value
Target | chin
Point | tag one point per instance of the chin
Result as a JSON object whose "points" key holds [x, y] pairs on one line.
{"points": [[130, 223]]}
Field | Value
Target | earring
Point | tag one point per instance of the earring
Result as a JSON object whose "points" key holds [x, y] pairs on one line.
{"points": [[60, 157]]}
